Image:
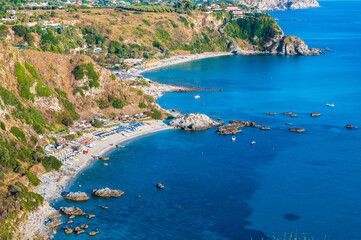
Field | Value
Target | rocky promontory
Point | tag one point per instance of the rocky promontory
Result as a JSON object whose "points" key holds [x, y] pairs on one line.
{"points": [[107, 192], [291, 46], [76, 196], [194, 122], [272, 5]]}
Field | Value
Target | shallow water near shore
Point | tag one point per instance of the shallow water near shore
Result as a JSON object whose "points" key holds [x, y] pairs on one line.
{"points": [[218, 189]]}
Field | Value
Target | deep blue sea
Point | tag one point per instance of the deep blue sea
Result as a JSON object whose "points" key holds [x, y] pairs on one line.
{"points": [[302, 183]]}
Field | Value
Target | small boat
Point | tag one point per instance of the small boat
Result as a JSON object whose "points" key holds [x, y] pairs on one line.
{"points": [[233, 138], [330, 105], [120, 146], [197, 96], [253, 142]]}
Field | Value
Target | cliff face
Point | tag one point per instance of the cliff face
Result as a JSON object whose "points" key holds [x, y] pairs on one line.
{"points": [[270, 5], [292, 45]]}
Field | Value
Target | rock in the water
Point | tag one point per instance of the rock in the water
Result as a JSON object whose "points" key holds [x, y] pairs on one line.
{"points": [[270, 113], [105, 164], [84, 226], [233, 127], [54, 215], [287, 113], [293, 115], [350, 126], [69, 231], [71, 211], [194, 122], [327, 49], [159, 185], [289, 124], [69, 222], [54, 224], [292, 45], [76, 196], [314, 114], [90, 216], [105, 158], [107, 192], [264, 128], [93, 233], [104, 207], [296, 130]]}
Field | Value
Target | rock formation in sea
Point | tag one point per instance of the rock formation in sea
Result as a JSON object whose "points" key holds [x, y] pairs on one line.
{"points": [[234, 127], [71, 211], [194, 122], [296, 130], [269, 5], [76, 196], [107, 192], [290, 46]]}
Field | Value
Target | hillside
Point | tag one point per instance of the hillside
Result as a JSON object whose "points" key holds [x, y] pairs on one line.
{"points": [[57, 77]]}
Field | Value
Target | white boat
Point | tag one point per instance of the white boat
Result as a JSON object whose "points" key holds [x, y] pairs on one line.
{"points": [[253, 142], [330, 105], [197, 96], [233, 138]]}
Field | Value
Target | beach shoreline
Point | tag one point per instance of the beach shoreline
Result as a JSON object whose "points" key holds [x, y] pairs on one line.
{"points": [[53, 184], [178, 60]]}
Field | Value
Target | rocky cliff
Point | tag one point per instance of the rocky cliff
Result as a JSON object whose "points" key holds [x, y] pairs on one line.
{"points": [[269, 5]]}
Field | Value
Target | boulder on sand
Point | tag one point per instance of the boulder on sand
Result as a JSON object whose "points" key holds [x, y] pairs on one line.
{"points": [[76, 196], [71, 211], [194, 122], [107, 192]]}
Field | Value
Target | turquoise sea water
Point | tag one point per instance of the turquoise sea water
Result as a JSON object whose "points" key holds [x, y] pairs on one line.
{"points": [[218, 189]]}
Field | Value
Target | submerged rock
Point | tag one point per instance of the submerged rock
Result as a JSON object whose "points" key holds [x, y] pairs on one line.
{"points": [[84, 226], [287, 113], [54, 224], [289, 124], [293, 115], [265, 128], [71, 211], [159, 185], [76, 196], [107, 192], [296, 130], [90, 216], [350, 126], [93, 233], [314, 114], [194, 122], [270, 113], [69, 231]]}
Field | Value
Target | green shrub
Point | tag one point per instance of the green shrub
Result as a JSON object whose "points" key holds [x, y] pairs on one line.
{"points": [[103, 104], [142, 105], [146, 22], [70, 137], [68, 105], [67, 122], [5, 159], [38, 128], [61, 93], [97, 124], [149, 98], [34, 140], [18, 133], [33, 179], [157, 114], [25, 82], [140, 92], [117, 103], [51, 163], [112, 77], [79, 90], [184, 21], [37, 117], [42, 90], [2, 125]]}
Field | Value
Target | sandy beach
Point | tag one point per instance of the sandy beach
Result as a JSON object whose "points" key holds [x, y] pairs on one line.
{"points": [[176, 60], [54, 183]]}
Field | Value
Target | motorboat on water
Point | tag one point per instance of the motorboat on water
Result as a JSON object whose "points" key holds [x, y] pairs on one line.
{"points": [[233, 138], [330, 105], [197, 96], [253, 142]]}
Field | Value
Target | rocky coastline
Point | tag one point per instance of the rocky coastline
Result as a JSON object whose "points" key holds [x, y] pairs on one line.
{"points": [[194, 122]]}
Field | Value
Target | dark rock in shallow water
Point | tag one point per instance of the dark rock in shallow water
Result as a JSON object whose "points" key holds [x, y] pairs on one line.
{"points": [[233, 127], [350, 126], [270, 113], [296, 130], [289, 124], [159, 185], [291, 217], [287, 113], [264, 128], [293, 115], [314, 114]]}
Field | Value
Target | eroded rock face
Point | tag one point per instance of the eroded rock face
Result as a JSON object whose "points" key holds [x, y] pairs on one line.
{"points": [[107, 192], [291, 46], [71, 211], [194, 122], [76, 196]]}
